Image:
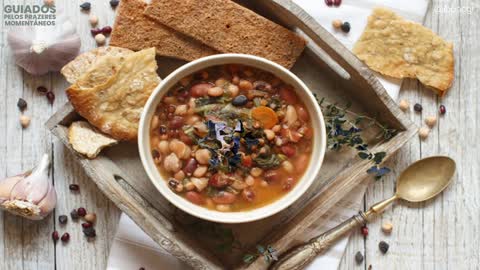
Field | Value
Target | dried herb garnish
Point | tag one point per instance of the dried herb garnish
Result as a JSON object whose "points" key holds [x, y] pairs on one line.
{"points": [[269, 254], [341, 131]]}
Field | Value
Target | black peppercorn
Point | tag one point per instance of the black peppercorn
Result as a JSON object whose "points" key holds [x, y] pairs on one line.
{"points": [[74, 187], [63, 219], [114, 3], [359, 257], [42, 89], [418, 107], [383, 246], [74, 214], [89, 232], [21, 104], [86, 6], [345, 27]]}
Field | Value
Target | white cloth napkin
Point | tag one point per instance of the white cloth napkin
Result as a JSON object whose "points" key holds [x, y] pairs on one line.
{"points": [[132, 248]]}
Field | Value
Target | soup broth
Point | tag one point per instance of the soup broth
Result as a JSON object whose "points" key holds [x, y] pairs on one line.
{"points": [[231, 138]]}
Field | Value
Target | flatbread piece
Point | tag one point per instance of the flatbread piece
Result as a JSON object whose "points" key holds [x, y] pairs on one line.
{"points": [[135, 31], [399, 48], [229, 28], [111, 94], [86, 140], [84, 61]]}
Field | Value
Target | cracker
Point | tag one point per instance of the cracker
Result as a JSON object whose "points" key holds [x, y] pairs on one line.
{"points": [[111, 94], [229, 28], [398, 48], [84, 61], [86, 140], [135, 31]]}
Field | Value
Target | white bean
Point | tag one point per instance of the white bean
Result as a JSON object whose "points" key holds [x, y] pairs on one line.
{"points": [[256, 172], [200, 183], [269, 134], [180, 175], [155, 122], [291, 115], [249, 180], [223, 207], [215, 91], [203, 156], [172, 163], [233, 89], [181, 109], [288, 166], [163, 147], [200, 171]]}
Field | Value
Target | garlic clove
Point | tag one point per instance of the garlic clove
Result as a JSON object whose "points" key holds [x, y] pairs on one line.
{"points": [[6, 186], [35, 186], [30, 195], [48, 203]]}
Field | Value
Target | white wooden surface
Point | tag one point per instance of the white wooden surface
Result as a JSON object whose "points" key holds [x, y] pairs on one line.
{"points": [[440, 234]]}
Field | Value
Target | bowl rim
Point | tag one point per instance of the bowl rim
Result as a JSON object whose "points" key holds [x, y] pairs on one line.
{"points": [[264, 211]]}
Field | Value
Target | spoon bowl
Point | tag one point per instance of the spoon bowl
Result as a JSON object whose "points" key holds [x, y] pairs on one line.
{"points": [[425, 179]]}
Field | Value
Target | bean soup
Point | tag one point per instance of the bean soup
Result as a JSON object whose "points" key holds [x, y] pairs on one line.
{"points": [[231, 138]]}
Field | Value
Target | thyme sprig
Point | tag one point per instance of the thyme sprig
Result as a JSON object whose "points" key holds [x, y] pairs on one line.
{"points": [[342, 131]]}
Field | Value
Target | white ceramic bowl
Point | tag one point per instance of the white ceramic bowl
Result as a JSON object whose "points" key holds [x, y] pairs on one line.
{"points": [[245, 216]]}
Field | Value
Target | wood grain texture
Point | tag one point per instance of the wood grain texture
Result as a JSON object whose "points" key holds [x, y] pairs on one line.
{"points": [[440, 234]]}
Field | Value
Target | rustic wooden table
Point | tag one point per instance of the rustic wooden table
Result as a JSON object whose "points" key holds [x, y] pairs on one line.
{"points": [[439, 234]]}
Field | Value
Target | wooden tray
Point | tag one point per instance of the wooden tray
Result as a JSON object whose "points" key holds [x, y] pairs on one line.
{"points": [[331, 71]]}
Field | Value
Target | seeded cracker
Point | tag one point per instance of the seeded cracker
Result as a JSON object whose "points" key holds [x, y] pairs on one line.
{"points": [[403, 49], [229, 28], [134, 31]]}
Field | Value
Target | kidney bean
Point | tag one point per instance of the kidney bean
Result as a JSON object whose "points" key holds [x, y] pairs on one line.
{"points": [[302, 113], [194, 197], [289, 150], [191, 166], [248, 195], [176, 122], [200, 90], [271, 176], [288, 94], [224, 197], [185, 138], [218, 180]]}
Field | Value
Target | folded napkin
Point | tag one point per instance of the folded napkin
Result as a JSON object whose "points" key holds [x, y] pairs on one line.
{"points": [[132, 248]]}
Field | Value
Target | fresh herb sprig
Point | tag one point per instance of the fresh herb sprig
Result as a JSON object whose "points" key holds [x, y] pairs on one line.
{"points": [[269, 254], [342, 131]]}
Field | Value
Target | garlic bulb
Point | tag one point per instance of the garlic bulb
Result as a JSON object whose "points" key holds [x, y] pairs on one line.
{"points": [[42, 49], [31, 194]]}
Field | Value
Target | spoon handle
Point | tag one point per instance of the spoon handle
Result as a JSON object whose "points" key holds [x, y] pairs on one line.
{"points": [[300, 256]]}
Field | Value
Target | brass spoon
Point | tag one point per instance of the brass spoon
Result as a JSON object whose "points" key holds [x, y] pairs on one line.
{"points": [[421, 181]]}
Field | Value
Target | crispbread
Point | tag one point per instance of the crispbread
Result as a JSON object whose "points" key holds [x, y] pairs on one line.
{"points": [[135, 31], [112, 93], [84, 61], [399, 48], [86, 140], [229, 28]]}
